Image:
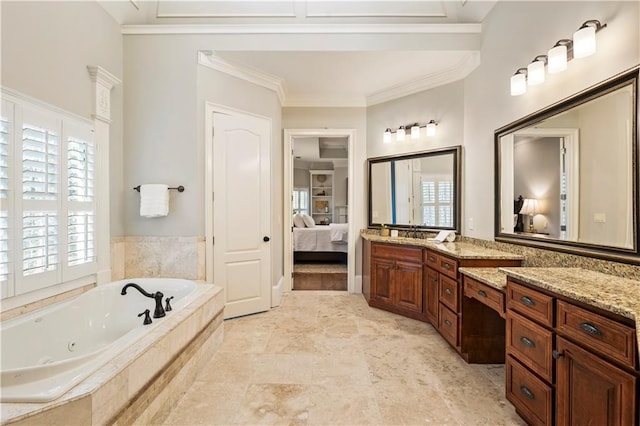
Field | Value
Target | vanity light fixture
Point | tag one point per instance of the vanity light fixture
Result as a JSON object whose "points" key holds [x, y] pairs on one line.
{"points": [[584, 40], [582, 45], [387, 136], [558, 56], [535, 70], [519, 82], [400, 134], [431, 128], [415, 131]]}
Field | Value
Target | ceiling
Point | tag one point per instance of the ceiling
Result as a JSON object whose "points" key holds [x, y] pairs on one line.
{"points": [[371, 62]]}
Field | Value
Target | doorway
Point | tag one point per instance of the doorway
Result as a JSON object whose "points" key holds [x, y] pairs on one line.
{"points": [[318, 188]]}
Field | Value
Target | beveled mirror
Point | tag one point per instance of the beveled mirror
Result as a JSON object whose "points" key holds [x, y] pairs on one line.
{"points": [[567, 176], [420, 189]]}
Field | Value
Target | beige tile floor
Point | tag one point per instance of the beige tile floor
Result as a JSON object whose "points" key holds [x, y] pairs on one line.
{"points": [[328, 358]]}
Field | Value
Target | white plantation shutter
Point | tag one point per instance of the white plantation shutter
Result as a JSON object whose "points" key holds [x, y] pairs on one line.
{"points": [[437, 201], [6, 158], [47, 189]]}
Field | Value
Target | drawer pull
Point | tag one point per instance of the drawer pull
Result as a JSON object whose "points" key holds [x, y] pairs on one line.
{"points": [[447, 266], [590, 329], [527, 301], [557, 355], [432, 259], [447, 323], [528, 342], [482, 293], [447, 291], [526, 392]]}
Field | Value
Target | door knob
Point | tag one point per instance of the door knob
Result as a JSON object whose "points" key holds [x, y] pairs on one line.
{"points": [[265, 239]]}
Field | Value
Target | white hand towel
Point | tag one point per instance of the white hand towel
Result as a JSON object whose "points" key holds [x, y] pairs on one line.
{"points": [[154, 200]]}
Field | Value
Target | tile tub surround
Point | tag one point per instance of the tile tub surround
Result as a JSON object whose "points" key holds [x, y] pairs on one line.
{"points": [[43, 303], [535, 257], [326, 357], [610, 293], [167, 257], [109, 390]]}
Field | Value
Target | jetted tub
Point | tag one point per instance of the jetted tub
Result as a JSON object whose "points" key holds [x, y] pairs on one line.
{"points": [[47, 352]]}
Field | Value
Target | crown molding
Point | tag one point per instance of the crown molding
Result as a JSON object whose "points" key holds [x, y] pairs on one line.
{"points": [[260, 78], [455, 73], [303, 29]]}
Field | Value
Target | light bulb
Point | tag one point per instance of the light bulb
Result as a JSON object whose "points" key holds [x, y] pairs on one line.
{"points": [[400, 133], [584, 42], [518, 84], [557, 59], [415, 131], [535, 73], [387, 136]]}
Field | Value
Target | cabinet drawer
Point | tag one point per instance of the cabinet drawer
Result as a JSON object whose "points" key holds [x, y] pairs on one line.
{"points": [[448, 267], [388, 251], [532, 304], [448, 325], [432, 260], [531, 396], [610, 338], [531, 344], [449, 292], [490, 296]]}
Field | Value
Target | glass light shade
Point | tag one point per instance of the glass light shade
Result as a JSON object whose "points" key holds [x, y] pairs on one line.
{"points": [[535, 73], [415, 131], [518, 84], [400, 134], [387, 136], [431, 128], [584, 42], [557, 59]]}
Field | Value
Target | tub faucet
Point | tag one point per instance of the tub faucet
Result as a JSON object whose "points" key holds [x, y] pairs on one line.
{"points": [[157, 296]]}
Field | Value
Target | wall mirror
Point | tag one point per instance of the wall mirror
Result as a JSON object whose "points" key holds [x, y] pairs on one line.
{"points": [[419, 189], [567, 176]]}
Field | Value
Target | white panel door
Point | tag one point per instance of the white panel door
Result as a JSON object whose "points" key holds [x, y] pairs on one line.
{"points": [[241, 212]]}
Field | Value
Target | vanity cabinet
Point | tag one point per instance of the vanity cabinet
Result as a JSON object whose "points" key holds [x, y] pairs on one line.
{"points": [[568, 363], [396, 279]]}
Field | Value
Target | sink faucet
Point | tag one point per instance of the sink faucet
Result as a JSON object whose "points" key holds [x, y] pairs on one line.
{"points": [[157, 296]]}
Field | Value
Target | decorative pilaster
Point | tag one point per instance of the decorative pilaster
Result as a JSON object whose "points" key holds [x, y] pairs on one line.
{"points": [[103, 83]]}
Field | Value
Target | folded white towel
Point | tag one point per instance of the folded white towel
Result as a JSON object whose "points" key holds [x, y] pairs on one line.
{"points": [[154, 200]]}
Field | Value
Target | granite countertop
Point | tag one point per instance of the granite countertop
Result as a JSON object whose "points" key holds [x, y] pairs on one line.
{"points": [[493, 277], [458, 250], [613, 294]]}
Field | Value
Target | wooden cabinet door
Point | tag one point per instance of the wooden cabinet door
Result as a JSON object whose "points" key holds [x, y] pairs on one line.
{"points": [[381, 280], [590, 390], [431, 293], [407, 286]]}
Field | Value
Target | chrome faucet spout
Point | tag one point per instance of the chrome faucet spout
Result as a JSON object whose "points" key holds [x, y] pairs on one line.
{"points": [[157, 296]]}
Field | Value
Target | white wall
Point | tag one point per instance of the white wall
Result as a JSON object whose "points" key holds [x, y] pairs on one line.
{"points": [[513, 33], [47, 59]]}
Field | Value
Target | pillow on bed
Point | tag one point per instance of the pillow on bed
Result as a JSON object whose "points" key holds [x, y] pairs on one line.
{"points": [[298, 221], [308, 221]]}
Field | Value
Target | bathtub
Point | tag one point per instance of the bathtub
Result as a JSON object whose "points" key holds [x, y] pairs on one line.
{"points": [[47, 352]]}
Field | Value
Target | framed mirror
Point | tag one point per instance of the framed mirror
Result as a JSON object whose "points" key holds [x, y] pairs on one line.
{"points": [[420, 189], [567, 176]]}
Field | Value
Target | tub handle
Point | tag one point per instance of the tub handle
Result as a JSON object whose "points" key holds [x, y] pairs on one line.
{"points": [[168, 307], [147, 317]]}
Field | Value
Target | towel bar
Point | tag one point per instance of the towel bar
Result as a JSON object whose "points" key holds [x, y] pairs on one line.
{"points": [[178, 188]]}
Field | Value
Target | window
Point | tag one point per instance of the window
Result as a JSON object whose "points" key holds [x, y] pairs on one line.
{"points": [[47, 185], [300, 200], [437, 202]]}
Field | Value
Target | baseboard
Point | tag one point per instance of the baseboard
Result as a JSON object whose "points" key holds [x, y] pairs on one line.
{"points": [[276, 293]]}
